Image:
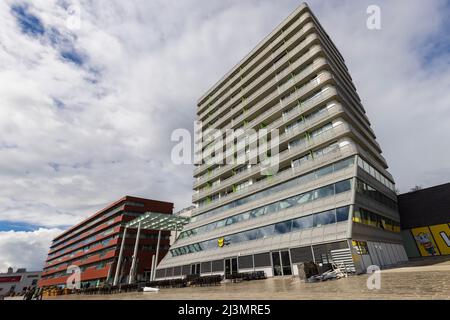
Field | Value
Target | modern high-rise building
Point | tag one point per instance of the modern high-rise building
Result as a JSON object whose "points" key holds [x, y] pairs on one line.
{"points": [[331, 198], [94, 246]]}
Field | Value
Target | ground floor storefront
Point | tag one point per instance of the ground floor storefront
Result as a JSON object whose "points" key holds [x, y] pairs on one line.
{"points": [[354, 255]]}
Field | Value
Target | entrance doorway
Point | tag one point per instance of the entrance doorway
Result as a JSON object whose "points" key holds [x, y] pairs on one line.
{"points": [[231, 266], [195, 268], [281, 263]]}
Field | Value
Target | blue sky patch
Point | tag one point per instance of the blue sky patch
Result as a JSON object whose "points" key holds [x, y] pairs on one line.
{"points": [[17, 226], [29, 23], [72, 56]]}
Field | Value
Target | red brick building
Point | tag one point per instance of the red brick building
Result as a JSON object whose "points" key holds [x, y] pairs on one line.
{"points": [[94, 244]]}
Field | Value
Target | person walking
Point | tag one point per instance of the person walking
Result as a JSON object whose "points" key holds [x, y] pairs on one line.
{"points": [[30, 293], [27, 291]]}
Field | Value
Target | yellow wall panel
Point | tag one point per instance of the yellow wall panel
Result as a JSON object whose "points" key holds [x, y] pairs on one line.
{"points": [[441, 234], [425, 242]]}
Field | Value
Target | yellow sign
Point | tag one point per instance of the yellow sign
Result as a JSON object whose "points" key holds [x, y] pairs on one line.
{"points": [[425, 242], [441, 234]]}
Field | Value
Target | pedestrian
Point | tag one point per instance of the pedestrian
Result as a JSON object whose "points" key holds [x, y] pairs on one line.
{"points": [[30, 294], [36, 293], [25, 295]]}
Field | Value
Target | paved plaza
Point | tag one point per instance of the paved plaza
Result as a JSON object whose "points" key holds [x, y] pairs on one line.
{"points": [[415, 280]]}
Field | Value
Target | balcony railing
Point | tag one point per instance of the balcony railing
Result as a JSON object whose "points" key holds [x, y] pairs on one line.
{"points": [[226, 88], [328, 114], [298, 94], [305, 107], [290, 154], [262, 78], [345, 151]]}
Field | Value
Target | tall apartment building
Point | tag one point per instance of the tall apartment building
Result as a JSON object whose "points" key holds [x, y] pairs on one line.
{"points": [[94, 244], [332, 198]]}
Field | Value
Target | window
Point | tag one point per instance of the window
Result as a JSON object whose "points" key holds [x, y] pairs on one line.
{"points": [[324, 218], [324, 171], [266, 231], [343, 186], [314, 220], [283, 227], [342, 214], [303, 223], [324, 192]]}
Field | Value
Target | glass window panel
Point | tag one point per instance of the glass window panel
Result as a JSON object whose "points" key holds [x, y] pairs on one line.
{"points": [[271, 208], [266, 231], [342, 214], [257, 212], [303, 223], [325, 191], [324, 218], [324, 171], [360, 162], [343, 164], [283, 227], [303, 198], [245, 216], [220, 223], [251, 235], [343, 186]]}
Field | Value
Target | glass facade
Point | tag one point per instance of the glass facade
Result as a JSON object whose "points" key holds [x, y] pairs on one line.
{"points": [[369, 218], [371, 192], [300, 199], [343, 164], [375, 173], [292, 225]]}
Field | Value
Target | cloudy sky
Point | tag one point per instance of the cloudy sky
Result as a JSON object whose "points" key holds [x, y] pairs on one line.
{"points": [[87, 109]]}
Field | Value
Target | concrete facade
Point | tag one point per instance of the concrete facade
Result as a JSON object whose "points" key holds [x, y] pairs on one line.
{"points": [[331, 199]]}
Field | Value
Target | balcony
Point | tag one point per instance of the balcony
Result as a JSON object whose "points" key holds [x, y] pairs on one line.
{"points": [[306, 106], [270, 73], [226, 87], [224, 184], [289, 154], [297, 95], [282, 176]]}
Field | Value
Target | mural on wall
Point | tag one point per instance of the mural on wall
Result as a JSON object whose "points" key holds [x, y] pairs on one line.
{"points": [[432, 240]]}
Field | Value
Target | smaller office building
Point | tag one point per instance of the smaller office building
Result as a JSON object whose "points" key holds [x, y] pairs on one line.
{"points": [[94, 246], [17, 282], [425, 221]]}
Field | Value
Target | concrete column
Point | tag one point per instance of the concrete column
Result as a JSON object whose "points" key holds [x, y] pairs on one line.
{"points": [[133, 262], [157, 253], [119, 261], [151, 269]]}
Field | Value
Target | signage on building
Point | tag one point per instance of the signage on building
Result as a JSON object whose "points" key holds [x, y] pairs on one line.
{"points": [[10, 279], [221, 242], [432, 240]]}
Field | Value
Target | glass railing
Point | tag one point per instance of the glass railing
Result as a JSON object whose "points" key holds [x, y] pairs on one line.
{"points": [[226, 87]]}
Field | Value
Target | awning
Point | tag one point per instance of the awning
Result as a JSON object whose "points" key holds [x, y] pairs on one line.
{"points": [[159, 221]]}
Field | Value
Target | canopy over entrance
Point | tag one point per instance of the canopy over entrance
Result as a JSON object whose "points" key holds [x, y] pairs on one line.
{"points": [[148, 221], [159, 221]]}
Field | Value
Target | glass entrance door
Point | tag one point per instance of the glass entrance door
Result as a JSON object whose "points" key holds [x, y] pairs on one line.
{"points": [[286, 263], [195, 268], [227, 267], [281, 263], [231, 266], [234, 268], [276, 264]]}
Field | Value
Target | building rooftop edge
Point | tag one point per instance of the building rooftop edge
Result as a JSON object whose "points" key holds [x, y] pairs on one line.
{"points": [[108, 207], [302, 6]]}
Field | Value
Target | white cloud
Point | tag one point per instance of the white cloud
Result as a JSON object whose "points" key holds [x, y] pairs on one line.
{"points": [[25, 249], [76, 137]]}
